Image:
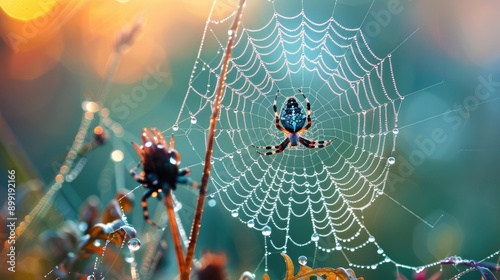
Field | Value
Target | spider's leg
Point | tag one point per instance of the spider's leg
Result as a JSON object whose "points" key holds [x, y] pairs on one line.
{"points": [[308, 108], [267, 147], [137, 177], [145, 211], [183, 179], [159, 195], [315, 144], [184, 172], [279, 148], [278, 126]]}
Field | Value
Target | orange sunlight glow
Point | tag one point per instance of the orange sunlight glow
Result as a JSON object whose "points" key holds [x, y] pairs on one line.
{"points": [[26, 9]]}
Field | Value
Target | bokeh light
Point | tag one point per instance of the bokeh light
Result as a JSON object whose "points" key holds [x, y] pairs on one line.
{"points": [[26, 9], [117, 155]]}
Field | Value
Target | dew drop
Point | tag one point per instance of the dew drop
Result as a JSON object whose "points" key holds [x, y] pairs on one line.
{"points": [[134, 244], [175, 127], [82, 226], [380, 251], [211, 202], [177, 206], [371, 238], [251, 223], [302, 260], [193, 120], [374, 266], [338, 247], [129, 259], [97, 243], [395, 131], [266, 231], [314, 237], [391, 160], [91, 277], [234, 213]]}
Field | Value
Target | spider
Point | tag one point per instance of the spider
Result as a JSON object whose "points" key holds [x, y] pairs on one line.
{"points": [[160, 165], [294, 124]]}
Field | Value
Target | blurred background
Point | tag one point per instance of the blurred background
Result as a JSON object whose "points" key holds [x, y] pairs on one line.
{"points": [[54, 55]]}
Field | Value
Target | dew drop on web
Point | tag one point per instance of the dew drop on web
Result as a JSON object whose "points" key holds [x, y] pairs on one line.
{"points": [[266, 231], [234, 213], [391, 160], [134, 244], [251, 223], [302, 260], [314, 237]]}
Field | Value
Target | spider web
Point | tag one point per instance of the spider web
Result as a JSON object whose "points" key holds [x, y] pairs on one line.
{"points": [[301, 196]]}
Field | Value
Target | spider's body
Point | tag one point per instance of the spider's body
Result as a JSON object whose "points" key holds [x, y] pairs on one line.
{"points": [[160, 167], [293, 119], [292, 116]]}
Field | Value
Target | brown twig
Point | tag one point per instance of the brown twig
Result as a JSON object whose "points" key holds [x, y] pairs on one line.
{"points": [[174, 229], [219, 92]]}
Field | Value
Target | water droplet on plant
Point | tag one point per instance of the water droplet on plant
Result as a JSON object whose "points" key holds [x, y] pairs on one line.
{"points": [[234, 213], [266, 230], [302, 260], [314, 237], [134, 244], [175, 127], [193, 119], [251, 223], [391, 160]]}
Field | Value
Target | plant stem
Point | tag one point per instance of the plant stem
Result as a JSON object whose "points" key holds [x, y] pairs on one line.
{"points": [[175, 230], [219, 92]]}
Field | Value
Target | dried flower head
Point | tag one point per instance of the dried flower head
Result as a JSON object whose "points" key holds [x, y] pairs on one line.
{"points": [[127, 36]]}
